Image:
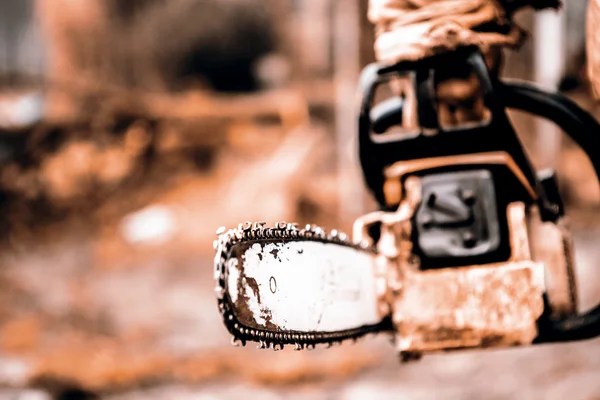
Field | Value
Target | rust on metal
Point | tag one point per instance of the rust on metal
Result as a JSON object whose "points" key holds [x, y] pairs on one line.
{"points": [[484, 306]]}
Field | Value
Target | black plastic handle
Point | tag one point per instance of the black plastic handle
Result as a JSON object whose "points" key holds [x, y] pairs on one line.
{"points": [[585, 131], [574, 121], [378, 73], [377, 151]]}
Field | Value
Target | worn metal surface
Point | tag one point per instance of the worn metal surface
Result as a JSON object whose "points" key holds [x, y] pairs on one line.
{"points": [[254, 306], [488, 306], [302, 286]]}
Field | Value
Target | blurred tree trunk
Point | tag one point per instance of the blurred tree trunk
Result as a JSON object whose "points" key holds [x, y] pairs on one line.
{"points": [[367, 37], [71, 31], [21, 55]]}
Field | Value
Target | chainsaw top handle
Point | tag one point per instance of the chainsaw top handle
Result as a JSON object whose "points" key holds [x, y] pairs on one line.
{"points": [[379, 150]]}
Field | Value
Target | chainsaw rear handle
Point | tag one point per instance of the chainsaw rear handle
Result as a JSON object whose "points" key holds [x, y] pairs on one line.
{"points": [[585, 131], [576, 123]]}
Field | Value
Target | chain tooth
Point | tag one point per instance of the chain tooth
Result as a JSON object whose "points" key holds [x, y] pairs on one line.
{"points": [[235, 342], [221, 230], [297, 347], [219, 292], [281, 225]]}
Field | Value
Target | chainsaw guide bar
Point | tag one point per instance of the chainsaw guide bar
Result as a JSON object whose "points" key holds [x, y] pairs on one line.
{"points": [[283, 285]]}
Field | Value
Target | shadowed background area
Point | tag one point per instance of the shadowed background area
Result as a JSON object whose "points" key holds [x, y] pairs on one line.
{"points": [[131, 130]]}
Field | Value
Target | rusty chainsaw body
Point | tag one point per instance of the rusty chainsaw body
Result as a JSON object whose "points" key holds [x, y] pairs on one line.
{"points": [[469, 248]]}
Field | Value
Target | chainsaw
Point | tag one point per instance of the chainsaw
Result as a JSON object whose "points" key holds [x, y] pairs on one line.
{"points": [[469, 248]]}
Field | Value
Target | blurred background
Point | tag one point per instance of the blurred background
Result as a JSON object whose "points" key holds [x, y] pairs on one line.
{"points": [[131, 130]]}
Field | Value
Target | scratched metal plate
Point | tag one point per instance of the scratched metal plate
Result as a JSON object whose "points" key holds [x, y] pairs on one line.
{"points": [[302, 287]]}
